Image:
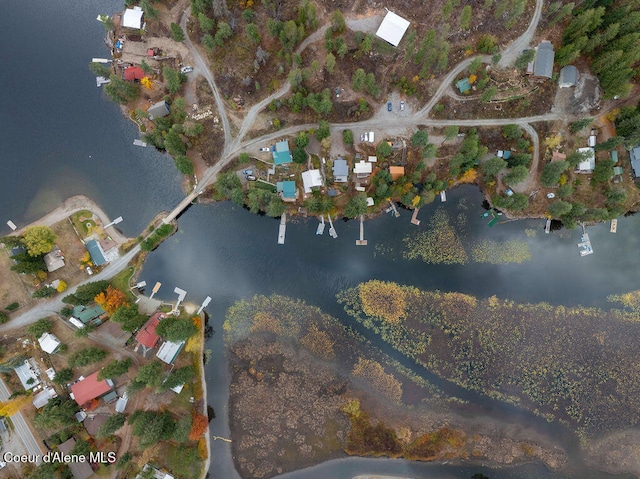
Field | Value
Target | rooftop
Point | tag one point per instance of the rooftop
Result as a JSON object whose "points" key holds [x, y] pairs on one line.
{"points": [[133, 73], [544, 60], [169, 351], [27, 373], [396, 172], [54, 260], [85, 314], [147, 335], [568, 76], [90, 388], [590, 163], [132, 18], [340, 171], [392, 28], [363, 168], [48, 343], [287, 188], [311, 179], [80, 470], [95, 250], [158, 110], [281, 155]]}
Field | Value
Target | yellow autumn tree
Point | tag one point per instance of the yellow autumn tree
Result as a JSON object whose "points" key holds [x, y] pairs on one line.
{"points": [[13, 406], [469, 176], [383, 299]]}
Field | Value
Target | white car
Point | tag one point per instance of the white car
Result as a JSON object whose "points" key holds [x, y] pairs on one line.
{"points": [[187, 69], [266, 148], [402, 105]]}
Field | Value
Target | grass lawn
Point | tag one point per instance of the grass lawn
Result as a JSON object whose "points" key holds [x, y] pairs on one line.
{"points": [[83, 222], [181, 461], [11, 288], [121, 282]]}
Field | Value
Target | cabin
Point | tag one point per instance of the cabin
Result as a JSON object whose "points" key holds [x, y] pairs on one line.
{"points": [[392, 28], [340, 171], [311, 179], [168, 352], [90, 388], [397, 172], [281, 153], [49, 343], [287, 190], [133, 74], [634, 156], [54, 260], [96, 252], [588, 164], [28, 374], [363, 169], [147, 337]]}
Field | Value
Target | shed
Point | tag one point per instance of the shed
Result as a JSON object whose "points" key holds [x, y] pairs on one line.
{"points": [[614, 156], [96, 252], [591, 141], [90, 388], [543, 67], [49, 343], [463, 85], [340, 171], [363, 169], [54, 260], [287, 189], [392, 28], [634, 156], [396, 172], [589, 163], [79, 469], [568, 77], [169, 351], [617, 170], [311, 179], [281, 154], [158, 110], [121, 403], [42, 398], [132, 18]]}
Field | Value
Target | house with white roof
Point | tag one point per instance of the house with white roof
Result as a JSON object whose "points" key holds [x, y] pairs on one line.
{"points": [[392, 29], [363, 169], [49, 343], [311, 179], [132, 18]]}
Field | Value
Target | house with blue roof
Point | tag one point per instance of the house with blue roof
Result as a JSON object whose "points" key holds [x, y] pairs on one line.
{"points": [[281, 153], [287, 190], [340, 171], [96, 252]]}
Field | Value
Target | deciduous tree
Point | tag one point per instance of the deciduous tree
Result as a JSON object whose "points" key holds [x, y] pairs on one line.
{"points": [[38, 239]]}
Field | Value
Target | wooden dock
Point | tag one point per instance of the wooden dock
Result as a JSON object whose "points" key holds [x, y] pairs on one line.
{"points": [[443, 196], [332, 230], [395, 210], [361, 241], [320, 229], [547, 227], [414, 217], [283, 228], [614, 226]]}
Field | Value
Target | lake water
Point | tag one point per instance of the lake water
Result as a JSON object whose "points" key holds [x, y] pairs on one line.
{"points": [[60, 137]]}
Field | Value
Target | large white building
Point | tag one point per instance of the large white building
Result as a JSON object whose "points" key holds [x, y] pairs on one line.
{"points": [[392, 29]]}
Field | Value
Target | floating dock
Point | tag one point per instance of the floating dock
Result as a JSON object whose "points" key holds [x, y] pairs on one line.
{"points": [[547, 227], [140, 143], [12, 225], [283, 228], [614, 226], [361, 241], [332, 230], [443, 196], [414, 217], [102, 81], [585, 245], [320, 229], [395, 210]]}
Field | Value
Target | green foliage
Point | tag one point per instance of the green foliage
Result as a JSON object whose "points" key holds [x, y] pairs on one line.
{"points": [[184, 165], [63, 376], [564, 191], [85, 293], [226, 183], [121, 91], [420, 138], [173, 79], [4, 317], [115, 369], [183, 427], [450, 132], [251, 30], [129, 317], [628, 125], [124, 460], [356, 206], [178, 377], [551, 173], [338, 24], [383, 150], [150, 375], [302, 140], [45, 292], [112, 424], [176, 32], [155, 238], [40, 327], [275, 207], [492, 166], [38, 240], [524, 59], [512, 132], [330, 63], [358, 79], [578, 125], [299, 156], [56, 413], [496, 252], [489, 94], [517, 175], [87, 356], [559, 208], [603, 171], [99, 69], [152, 427], [323, 130], [487, 43], [347, 137], [440, 244], [176, 329], [28, 264], [517, 202]]}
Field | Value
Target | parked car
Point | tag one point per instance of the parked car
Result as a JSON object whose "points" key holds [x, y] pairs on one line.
{"points": [[247, 172], [266, 148], [401, 105], [187, 69], [250, 178], [389, 106]]}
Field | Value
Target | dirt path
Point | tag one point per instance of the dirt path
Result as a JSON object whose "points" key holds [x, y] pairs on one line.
{"points": [[513, 51]]}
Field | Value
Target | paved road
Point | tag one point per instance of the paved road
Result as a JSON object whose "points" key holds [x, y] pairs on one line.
{"points": [[21, 427]]}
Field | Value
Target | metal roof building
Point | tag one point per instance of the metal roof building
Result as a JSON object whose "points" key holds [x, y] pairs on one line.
{"points": [[568, 77], [158, 110], [340, 171], [287, 189], [169, 351], [49, 343], [281, 154], [392, 28], [95, 250], [132, 18], [634, 155], [90, 388], [311, 179], [543, 67]]}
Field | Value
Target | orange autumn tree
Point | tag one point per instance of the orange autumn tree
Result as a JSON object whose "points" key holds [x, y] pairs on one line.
{"points": [[198, 426], [111, 299]]}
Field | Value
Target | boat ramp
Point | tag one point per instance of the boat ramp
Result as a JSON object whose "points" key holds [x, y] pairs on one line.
{"points": [[283, 228]]}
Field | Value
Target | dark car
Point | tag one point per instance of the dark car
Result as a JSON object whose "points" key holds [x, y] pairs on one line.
{"points": [[389, 106]]}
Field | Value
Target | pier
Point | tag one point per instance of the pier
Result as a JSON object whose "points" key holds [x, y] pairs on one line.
{"points": [[414, 217], [361, 241], [443, 196], [320, 229], [614, 226], [283, 228], [547, 227], [395, 210], [332, 230], [585, 244]]}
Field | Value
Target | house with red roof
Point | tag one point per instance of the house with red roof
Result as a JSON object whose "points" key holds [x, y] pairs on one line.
{"points": [[147, 337], [133, 74], [90, 388]]}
